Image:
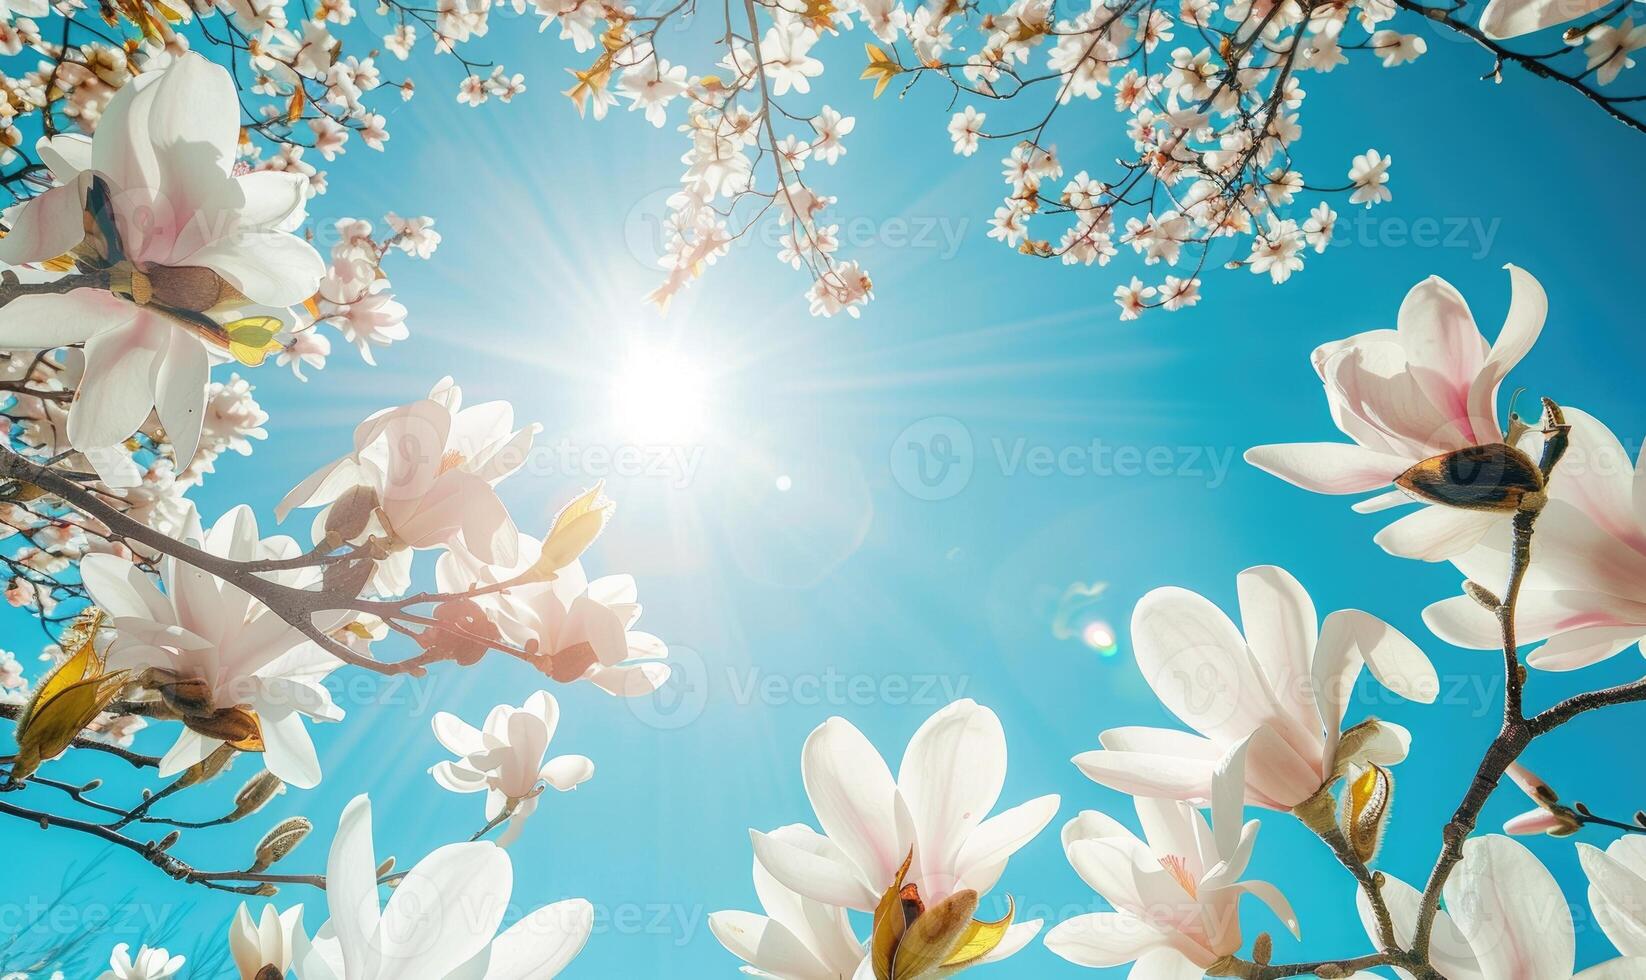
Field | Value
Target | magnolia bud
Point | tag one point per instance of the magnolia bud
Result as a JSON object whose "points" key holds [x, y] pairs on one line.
{"points": [[256, 794], [1366, 810], [352, 512], [1263, 949], [280, 841]]}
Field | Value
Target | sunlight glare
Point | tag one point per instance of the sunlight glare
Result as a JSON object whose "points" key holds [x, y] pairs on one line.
{"points": [[659, 395]]}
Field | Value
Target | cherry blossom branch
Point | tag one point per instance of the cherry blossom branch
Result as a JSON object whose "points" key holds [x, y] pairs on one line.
{"points": [[1535, 64]]}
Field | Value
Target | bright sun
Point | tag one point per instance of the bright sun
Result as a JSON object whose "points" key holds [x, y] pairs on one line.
{"points": [[659, 395]]}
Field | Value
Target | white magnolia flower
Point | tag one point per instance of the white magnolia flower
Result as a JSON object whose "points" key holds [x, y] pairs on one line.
{"points": [[432, 465], [1370, 176], [1617, 891], [182, 240], [440, 922], [798, 938], [505, 759], [148, 964], [1504, 919], [936, 808], [582, 628], [216, 648], [270, 941], [1283, 687], [1585, 593], [1175, 893], [1426, 388]]}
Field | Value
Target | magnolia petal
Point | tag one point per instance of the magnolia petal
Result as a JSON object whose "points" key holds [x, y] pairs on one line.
{"points": [[1618, 896], [852, 793], [1278, 619], [829, 878], [1002, 835], [1585, 646], [950, 777], [1148, 774], [1505, 19], [767, 945], [1101, 939], [1436, 533], [180, 379], [1511, 910], [1328, 467], [287, 749], [270, 268], [41, 322], [469, 883], [541, 944], [1463, 622], [46, 226], [566, 772], [1528, 307], [117, 391], [1622, 968], [351, 888]]}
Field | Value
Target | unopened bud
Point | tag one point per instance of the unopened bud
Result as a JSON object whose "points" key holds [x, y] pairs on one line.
{"points": [[349, 516], [1366, 810], [256, 794], [1482, 595], [1263, 949], [280, 841]]}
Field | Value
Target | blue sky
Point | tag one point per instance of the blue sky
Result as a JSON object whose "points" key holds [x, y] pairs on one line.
{"points": [[848, 594]]}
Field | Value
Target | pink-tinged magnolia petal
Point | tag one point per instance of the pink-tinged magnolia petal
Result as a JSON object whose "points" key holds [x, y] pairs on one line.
{"points": [[1198, 664], [52, 320], [1004, 834], [1505, 19], [272, 268], [288, 750], [351, 887], [1444, 348], [1436, 533], [818, 870], [1278, 619], [1511, 910], [1462, 622], [1617, 894], [46, 226], [1528, 306], [457, 735], [444, 911], [767, 945], [1144, 774], [180, 380], [1448, 948], [541, 944], [565, 772], [1585, 646], [1101, 939], [950, 778], [1329, 467], [1597, 475], [1373, 388], [1534, 822], [1167, 964], [117, 391], [852, 792]]}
